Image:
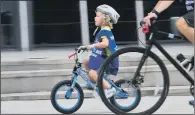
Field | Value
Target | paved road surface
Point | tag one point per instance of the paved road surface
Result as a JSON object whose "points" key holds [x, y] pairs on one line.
{"points": [[172, 105]]}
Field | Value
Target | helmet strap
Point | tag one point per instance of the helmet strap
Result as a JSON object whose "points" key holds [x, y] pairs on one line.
{"points": [[95, 31]]}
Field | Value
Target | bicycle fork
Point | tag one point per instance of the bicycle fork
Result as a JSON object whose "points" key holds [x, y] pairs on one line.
{"points": [[142, 61], [69, 92]]}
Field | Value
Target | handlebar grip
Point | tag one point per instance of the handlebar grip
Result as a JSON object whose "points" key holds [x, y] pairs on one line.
{"points": [[145, 30], [70, 55], [84, 49], [141, 23]]}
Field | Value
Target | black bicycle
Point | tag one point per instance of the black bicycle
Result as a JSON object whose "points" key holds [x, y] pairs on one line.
{"points": [[137, 78]]}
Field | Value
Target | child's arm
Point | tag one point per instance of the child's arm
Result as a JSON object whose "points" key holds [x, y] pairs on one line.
{"points": [[103, 44]]}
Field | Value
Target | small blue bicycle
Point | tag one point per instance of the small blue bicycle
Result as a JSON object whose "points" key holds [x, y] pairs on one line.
{"points": [[71, 95]]}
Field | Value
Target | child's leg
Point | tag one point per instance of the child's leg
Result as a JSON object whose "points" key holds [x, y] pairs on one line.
{"points": [[93, 75], [85, 63]]}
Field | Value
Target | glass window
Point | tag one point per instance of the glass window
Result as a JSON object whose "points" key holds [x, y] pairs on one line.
{"points": [[7, 39], [57, 22]]}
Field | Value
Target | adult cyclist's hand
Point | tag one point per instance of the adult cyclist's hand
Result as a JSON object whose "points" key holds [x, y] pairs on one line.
{"points": [[148, 18]]}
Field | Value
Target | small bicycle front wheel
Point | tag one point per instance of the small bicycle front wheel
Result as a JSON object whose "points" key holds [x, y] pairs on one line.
{"points": [[136, 54], [70, 100]]}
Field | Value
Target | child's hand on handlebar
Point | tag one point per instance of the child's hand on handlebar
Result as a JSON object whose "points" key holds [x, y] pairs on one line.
{"points": [[82, 48], [89, 47]]}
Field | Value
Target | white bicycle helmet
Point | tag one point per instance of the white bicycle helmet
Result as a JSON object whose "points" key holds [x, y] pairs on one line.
{"points": [[108, 10]]}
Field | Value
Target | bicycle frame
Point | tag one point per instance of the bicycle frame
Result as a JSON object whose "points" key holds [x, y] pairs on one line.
{"points": [[81, 72], [179, 68], [152, 42]]}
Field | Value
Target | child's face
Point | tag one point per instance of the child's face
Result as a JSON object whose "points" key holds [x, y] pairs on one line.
{"points": [[99, 19]]}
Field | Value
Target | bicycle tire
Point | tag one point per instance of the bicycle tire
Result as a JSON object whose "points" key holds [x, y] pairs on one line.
{"points": [[165, 74], [136, 102], [55, 89]]}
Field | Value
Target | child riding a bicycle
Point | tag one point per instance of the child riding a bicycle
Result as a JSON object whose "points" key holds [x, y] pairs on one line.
{"points": [[104, 45]]}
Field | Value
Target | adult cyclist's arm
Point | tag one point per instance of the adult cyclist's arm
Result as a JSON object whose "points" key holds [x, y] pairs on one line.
{"points": [[160, 7], [163, 5]]}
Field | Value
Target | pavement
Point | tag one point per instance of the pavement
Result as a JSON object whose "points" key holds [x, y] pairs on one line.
{"points": [[172, 105], [45, 95]]}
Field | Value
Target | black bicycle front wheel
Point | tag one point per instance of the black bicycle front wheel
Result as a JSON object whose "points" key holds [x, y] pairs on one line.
{"points": [[163, 70], [130, 106]]}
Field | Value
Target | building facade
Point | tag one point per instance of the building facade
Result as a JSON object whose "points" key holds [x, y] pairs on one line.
{"points": [[27, 25]]}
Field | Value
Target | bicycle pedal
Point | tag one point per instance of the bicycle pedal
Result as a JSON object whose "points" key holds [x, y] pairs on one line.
{"points": [[186, 64]]}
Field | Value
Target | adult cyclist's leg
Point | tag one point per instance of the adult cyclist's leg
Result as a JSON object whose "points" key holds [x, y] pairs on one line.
{"points": [[185, 25]]}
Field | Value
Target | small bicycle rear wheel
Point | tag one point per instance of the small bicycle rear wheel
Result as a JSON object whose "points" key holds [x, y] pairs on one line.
{"points": [[133, 99]]}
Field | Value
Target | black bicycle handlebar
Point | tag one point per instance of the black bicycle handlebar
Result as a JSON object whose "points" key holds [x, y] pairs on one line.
{"points": [[153, 29]]}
